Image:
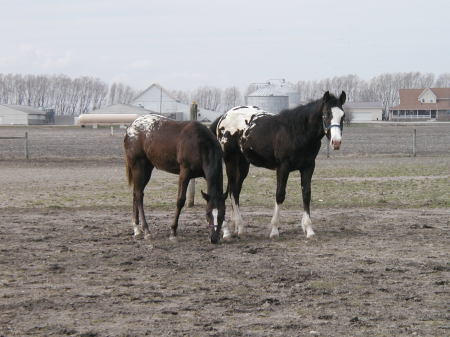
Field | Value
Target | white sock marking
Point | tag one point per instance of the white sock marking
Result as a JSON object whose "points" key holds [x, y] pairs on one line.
{"points": [[275, 222], [307, 225], [237, 218], [137, 230], [226, 231]]}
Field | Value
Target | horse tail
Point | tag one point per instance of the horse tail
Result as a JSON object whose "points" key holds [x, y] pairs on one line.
{"points": [[128, 171], [213, 126]]}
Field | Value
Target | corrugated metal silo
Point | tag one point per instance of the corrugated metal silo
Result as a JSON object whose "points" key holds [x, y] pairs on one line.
{"points": [[274, 97], [268, 99]]}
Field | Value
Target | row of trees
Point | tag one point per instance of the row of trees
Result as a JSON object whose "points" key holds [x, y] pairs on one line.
{"points": [[383, 88], [73, 96], [68, 96]]}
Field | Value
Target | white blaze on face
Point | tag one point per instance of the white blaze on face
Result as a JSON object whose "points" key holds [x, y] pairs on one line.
{"points": [[215, 212], [337, 114]]}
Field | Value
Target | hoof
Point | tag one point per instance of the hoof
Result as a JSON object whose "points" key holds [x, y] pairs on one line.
{"points": [[241, 232], [226, 234], [310, 234], [274, 234], [227, 237], [147, 236], [138, 235], [173, 239]]}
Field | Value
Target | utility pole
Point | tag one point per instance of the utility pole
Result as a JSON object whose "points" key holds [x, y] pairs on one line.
{"points": [[191, 187]]}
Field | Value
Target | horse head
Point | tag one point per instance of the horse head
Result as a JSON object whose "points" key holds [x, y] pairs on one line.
{"points": [[215, 214], [333, 118]]}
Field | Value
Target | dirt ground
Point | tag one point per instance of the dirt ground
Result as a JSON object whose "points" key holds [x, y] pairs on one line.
{"points": [[72, 267]]}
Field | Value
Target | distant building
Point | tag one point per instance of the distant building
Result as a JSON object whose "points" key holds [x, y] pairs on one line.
{"points": [[23, 115], [364, 111], [116, 114], [274, 97], [422, 104], [162, 102]]}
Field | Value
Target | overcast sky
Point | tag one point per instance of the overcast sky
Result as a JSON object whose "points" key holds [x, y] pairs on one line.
{"points": [[186, 44]]}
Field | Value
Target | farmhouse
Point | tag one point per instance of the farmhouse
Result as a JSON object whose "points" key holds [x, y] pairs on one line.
{"points": [[364, 111], [22, 115], [422, 104], [158, 99]]}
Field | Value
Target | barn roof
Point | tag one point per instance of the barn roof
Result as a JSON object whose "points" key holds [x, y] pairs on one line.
{"points": [[30, 110], [156, 85], [122, 109]]}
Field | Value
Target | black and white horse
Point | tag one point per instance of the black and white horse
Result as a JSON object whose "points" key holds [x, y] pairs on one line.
{"points": [[285, 142]]}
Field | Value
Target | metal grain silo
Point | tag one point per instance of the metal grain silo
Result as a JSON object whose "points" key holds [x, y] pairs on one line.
{"points": [[274, 97], [269, 99]]}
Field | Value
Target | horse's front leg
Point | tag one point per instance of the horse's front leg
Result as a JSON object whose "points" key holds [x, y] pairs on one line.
{"points": [[306, 176], [282, 177], [183, 183]]}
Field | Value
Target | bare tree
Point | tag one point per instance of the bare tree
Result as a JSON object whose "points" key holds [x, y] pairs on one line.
{"points": [[207, 97], [181, 96], [443, 81], [231, 97]]}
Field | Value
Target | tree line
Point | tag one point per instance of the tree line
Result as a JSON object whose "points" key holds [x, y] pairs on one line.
{"points": [[67, 96], [74, 96], [383, 88]]}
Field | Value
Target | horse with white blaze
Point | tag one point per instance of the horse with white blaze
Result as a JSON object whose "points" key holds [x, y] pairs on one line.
{"points": [[285, 142]]}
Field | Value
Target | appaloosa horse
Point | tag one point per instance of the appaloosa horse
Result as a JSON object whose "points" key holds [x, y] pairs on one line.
{"points": [[285, 142], [184, 148]]}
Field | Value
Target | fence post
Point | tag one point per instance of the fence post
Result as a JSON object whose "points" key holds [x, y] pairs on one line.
{"points": [[112, 130], [191, 187], [328, 148], [414, 143], [27, 155]]}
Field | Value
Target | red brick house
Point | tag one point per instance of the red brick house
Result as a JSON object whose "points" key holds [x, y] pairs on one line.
{"points": [[422, 104]]}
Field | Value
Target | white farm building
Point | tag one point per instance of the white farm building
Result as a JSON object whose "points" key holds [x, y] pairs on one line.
{"points": [[21, 115], [364, 111], [162, 102]]}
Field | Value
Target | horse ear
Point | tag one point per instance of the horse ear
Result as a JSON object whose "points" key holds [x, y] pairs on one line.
{"points": [[342, 97], [326, 96], [205, 196]]}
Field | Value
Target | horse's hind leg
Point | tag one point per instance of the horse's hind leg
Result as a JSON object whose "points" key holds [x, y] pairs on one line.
{"points": [[237, 170], [282, 177], [306, 176], [141, 173], [183, 183]]}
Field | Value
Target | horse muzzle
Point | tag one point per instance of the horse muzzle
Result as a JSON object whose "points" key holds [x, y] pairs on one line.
{"points": [[336, 144]]}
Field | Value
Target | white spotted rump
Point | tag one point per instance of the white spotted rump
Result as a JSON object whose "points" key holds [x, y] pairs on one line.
{"points": [[236, 120], [145, 123]]}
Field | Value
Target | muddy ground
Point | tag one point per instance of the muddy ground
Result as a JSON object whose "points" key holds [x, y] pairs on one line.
{"points": [[72, 268]]}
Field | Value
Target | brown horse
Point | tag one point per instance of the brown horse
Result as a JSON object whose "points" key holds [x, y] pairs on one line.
{"points": [[188, 149]]}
